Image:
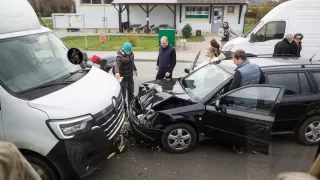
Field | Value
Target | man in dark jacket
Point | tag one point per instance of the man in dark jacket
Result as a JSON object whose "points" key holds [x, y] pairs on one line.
{"points": [[166, 59], [296, 46], [125, 68], [283, 48], [245, 74]]}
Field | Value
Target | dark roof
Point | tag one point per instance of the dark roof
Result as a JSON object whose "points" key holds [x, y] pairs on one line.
{"points": [[282, 63], [180, 2]]}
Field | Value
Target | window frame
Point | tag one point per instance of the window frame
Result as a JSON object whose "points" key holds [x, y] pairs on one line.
{"points": [[194, 10], [233, 9], [264, 39], [277, 100], [296, 72], [315, 86]]}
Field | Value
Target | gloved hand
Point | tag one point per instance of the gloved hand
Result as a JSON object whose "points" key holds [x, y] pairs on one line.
{"points": [[135, 73]]}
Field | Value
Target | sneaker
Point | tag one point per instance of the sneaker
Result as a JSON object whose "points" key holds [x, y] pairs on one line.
{"points": [[238, 149]]}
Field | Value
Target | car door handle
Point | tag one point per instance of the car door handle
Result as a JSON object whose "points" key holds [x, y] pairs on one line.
{"points": [[261, 127]]}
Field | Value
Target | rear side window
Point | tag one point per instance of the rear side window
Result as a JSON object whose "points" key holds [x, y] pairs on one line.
{"points": [[317, 79], [295, 83]]}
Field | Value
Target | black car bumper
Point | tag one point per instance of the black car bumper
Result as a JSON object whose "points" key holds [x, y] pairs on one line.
{"points": [[140, 131], [78, 157]]}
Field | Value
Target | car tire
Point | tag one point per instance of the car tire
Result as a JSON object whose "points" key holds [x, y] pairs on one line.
{"points": [[179, 138], [307, 127], [45, 171]]}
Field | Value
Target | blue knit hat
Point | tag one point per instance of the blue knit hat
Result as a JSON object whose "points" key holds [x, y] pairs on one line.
{"points": [[127, 47]]}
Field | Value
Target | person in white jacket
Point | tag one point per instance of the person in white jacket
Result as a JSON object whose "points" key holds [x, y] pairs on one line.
{"points": [[211, 56], [226, 33]]}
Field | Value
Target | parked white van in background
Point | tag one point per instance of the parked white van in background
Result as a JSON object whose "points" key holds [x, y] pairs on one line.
{"points": [[63, 121], [294, 16]]}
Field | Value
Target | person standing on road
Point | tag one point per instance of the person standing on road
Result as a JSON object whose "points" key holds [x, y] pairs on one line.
{"points": [[226, 33], [107, 62], [166, 59], [283, 48], [245, 74], [296, 46], [211, 56], [216, 45], [126, 68]]}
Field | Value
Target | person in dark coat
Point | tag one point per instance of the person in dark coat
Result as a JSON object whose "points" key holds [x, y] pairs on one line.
{"points": [[296, 46], [283, 48], [166, 59], [126, 68]]}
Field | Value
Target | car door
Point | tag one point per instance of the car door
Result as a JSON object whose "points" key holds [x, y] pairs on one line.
{"points": [[194, 65], [244, 116]]}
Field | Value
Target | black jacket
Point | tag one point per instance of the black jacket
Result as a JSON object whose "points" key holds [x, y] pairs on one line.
{"points": [[125, 64], [167, 58], [282, 48], [295, 50]]}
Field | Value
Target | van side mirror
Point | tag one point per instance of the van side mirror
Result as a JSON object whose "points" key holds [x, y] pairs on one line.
{"points": [[187, 70], [252, 38]]}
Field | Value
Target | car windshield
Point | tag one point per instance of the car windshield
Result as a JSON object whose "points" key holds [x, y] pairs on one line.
{"points": [[33, 60], [250, 31], [203, 81]]}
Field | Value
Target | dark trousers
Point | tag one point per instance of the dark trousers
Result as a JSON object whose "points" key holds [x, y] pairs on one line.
{"points": [[162, 73], [127, 86]]}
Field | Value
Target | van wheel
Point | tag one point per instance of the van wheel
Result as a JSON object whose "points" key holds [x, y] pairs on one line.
{"points": [[179, 138], [309, 132], [42, 168]]}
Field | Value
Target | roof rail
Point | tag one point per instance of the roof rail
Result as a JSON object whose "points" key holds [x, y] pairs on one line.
{"points": [[292, 65]]}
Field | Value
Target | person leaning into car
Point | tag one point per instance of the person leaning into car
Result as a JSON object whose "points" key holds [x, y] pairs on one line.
{"points": [[246, 73]]}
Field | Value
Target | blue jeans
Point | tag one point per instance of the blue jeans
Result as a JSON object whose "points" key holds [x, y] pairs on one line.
{"points": [[127, 86]]}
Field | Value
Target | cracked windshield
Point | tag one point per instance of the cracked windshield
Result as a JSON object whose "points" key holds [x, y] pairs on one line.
{"points": [[159, 90]]}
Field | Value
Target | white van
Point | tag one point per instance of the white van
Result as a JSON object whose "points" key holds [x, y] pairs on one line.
{"points": [[63, 121], [294, 16]]}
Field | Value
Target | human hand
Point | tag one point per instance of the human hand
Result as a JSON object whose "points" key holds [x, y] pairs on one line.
{"points": [[135, 73], [117, 75], [157, 68], [167, 74]]}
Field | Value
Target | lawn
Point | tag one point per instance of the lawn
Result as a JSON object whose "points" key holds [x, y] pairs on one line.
{"points": [[144, 43], [48, 22]]}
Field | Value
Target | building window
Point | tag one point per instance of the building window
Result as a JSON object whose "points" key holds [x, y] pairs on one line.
{"points": [[230, 9], [197, 12], [96, 1]]}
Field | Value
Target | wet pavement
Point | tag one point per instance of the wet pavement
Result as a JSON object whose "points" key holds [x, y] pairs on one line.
{"points": [[209, 160]]}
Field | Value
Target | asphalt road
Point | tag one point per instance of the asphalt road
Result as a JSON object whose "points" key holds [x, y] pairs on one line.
{"points": [[209, 160]]}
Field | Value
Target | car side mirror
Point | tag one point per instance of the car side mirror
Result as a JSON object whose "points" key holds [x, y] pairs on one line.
{"points": [[187, 70], [252, 38]]}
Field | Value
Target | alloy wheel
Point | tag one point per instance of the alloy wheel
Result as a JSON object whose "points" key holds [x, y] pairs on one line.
{"points": [[312, 132], [179, 139]]}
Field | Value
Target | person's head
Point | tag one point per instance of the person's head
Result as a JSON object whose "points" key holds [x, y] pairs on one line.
{"points": [[216, 45], [211, 52], [289, 37], [127, 48], [298, 37], [239, 57], [164, 41], [226, 25]]}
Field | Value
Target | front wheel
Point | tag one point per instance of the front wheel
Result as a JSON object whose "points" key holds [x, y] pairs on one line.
{"points": [[179, 138], [309, 132], [45, 171]]}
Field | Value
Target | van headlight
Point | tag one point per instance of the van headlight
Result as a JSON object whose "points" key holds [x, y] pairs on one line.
{"points": [[68, 128], [229, 47]]}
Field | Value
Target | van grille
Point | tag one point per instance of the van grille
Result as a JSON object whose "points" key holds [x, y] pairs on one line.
{"points": [[110, 120]]}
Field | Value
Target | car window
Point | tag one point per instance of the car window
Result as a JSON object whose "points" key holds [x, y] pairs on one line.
{"points": [[317, 79], [271, 31], [304, 84], [289, 80], [252, 99]]}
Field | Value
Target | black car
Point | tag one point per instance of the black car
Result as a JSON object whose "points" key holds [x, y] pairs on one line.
{"points": [[180, 112]]}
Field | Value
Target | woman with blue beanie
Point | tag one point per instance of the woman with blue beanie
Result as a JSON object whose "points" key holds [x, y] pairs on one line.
{"points": [[125, 68]]}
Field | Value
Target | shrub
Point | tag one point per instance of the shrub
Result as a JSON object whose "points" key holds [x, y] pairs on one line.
{"points": [[132, 38], [187, 31], [262, 12]]}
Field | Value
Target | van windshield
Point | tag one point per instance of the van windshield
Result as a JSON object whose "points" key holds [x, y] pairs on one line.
{"points": [[250, 31], [33, 60]]}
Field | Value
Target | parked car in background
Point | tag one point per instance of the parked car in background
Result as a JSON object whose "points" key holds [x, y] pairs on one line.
{"points": [[298, 16], [179, 112]]}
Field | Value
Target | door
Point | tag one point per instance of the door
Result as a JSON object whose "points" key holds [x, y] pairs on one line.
{"points": [[267, 37], [296, 101], [194, 65], [244, 116], [217, 19]]}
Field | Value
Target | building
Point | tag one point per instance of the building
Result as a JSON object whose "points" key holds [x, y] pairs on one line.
{"points": [[205, 15]]}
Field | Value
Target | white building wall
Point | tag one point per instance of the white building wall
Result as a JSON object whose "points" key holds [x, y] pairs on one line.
{"points": [[93, 14]]}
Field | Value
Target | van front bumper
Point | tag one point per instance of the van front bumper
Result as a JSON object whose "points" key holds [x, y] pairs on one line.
{"points": [[80, 156]]}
